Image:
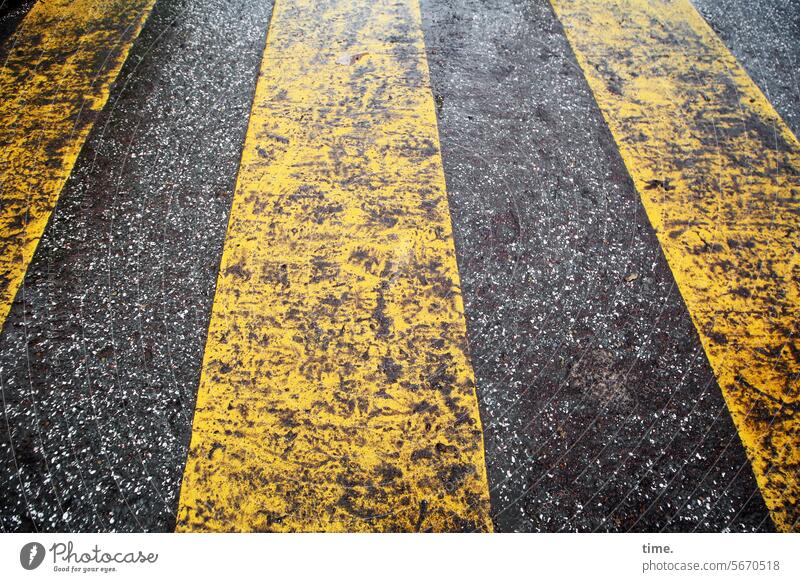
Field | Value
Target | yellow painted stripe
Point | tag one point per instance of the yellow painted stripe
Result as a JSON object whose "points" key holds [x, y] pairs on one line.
{"points": [[336, 391], [58, 69], [719, 174]]}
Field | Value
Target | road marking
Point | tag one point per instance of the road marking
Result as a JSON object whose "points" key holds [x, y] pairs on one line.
{"points": [[719, 174], [336, 392], [58, 71]]}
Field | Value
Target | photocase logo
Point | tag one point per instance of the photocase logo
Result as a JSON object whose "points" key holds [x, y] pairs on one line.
{"points": [[31, 555]]}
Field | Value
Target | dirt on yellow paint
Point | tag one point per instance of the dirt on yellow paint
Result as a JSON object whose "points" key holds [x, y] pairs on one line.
{"points": [[336, 391], [57, 71], [719, 174]]}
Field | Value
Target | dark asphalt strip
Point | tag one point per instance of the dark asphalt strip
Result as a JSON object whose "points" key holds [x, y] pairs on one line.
{"points": [[11, 14], [100, 356], [600, 410]]}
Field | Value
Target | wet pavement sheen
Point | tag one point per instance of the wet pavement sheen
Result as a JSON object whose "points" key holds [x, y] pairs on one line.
{"points": [[599, 408], [100, 358]]}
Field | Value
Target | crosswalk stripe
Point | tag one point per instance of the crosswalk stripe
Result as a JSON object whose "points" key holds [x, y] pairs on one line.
{"points": [[57, 74], [336, 391], [719, 174]]}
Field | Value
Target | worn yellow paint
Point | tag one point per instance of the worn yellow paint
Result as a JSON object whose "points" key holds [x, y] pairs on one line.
{"points": [[719, 174], [56, 73], [336, 391]]}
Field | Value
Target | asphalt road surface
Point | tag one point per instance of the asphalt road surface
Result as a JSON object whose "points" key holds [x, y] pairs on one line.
{"points": [[400, 266]]}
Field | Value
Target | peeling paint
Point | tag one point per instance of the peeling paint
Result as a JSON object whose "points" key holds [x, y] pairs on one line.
{"points": [[55, 79], [337, 346], [719, 175]]}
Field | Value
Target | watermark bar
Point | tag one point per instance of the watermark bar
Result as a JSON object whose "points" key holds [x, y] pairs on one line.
{"points": [[440, 556]]}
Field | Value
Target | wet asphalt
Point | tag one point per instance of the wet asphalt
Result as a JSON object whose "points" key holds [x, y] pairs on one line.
{"points": [[100, 357], [600, 410], [11, 13]]}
